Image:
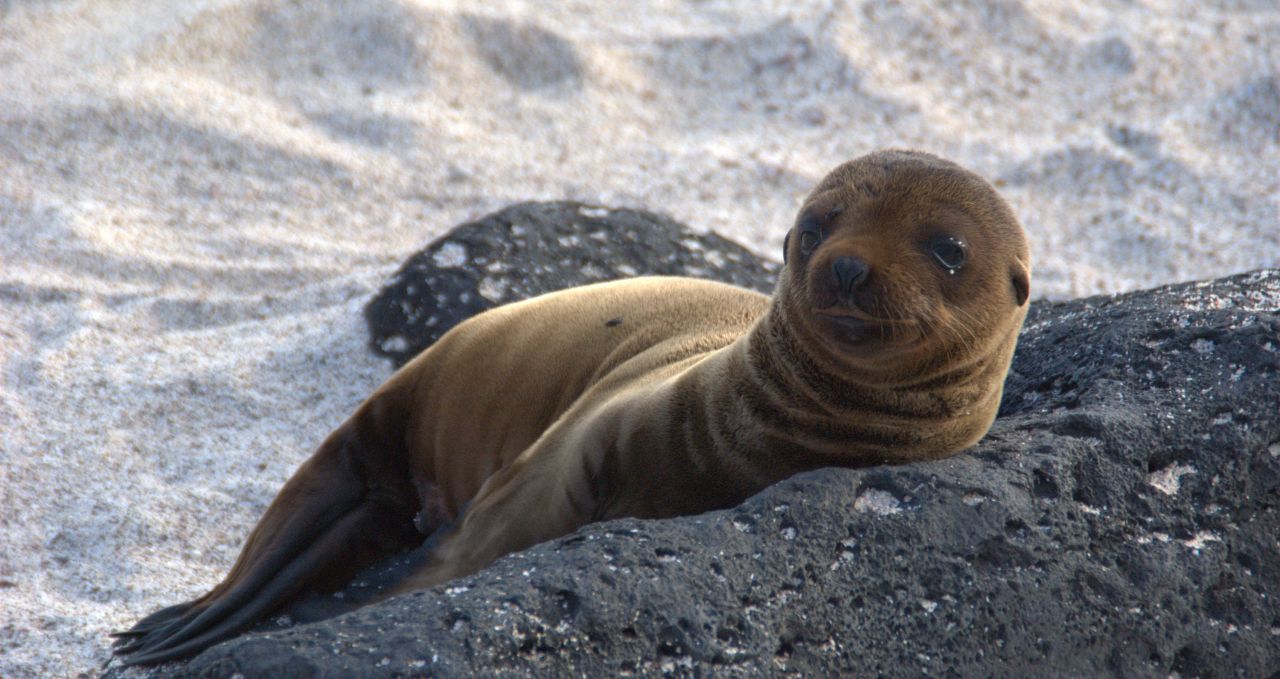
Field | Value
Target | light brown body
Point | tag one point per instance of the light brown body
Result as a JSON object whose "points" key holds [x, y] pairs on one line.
{"points": [[583, 409], [656, 397]]}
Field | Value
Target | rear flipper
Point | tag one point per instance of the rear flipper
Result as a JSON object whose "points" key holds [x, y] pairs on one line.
{"points": [[549, 491], [348, 506], [365, 587]]}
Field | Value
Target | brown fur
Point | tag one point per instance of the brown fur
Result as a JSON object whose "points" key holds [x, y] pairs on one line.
{"points": [[533, 419]]}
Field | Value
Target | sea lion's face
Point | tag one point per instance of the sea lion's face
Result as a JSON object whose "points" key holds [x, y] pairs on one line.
{"points": [[902, 252]]}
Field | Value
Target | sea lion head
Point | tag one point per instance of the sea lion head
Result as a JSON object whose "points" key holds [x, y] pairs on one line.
{"points": [[902, 262]]}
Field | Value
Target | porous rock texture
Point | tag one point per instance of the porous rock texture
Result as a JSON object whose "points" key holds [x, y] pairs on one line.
{"points": [[1121, 518]]}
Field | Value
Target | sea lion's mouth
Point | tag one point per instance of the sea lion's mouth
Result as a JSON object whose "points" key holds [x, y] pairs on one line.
{"points": [[851, 327], [855, 327]]}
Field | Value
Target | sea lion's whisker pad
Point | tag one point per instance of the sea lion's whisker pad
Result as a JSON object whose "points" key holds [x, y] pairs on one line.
{"points": [[886, 340]]}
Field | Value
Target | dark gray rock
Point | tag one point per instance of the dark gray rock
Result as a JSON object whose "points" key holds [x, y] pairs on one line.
{"points": [[532, 248], [1120, 519]]}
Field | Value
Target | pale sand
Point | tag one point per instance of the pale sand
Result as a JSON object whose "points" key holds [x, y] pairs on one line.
{"points": [[196, 198]]}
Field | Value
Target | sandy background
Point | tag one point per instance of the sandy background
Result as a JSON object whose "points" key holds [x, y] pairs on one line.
{"points": [[196, 199]]}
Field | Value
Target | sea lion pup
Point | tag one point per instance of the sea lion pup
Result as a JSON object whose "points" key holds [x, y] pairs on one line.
{"points": [[887, 340]]}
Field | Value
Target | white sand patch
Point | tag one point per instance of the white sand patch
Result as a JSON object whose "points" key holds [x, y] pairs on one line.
{"points": [[1168, 480], [196, 199], [878, 502]]}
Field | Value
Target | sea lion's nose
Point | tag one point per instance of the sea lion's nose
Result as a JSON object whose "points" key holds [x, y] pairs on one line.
{"points": [[850, 272]]}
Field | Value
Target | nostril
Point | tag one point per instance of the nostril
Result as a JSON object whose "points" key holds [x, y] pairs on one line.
{"points": [[850, 271]]}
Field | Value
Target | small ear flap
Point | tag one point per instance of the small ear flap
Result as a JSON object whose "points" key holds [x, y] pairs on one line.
{"points": [[1021, 283], [786, 245]]}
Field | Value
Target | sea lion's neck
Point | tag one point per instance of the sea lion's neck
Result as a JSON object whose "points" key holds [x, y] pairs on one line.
{"points": [[809, 398], [781, 360]]}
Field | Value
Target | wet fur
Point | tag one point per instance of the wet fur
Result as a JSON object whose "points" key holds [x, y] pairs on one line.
{"points": [[530, 420]]}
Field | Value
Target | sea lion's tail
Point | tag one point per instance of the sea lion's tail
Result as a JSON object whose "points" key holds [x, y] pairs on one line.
{"points": [[348, 506]]}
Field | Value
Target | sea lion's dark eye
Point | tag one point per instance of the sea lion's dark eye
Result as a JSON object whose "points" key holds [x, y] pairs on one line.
{"points": [[809, 228], [950, 252], [808, 241]]}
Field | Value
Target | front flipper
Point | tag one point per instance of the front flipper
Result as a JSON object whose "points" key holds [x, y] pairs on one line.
{"points": [[345, 508]]}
